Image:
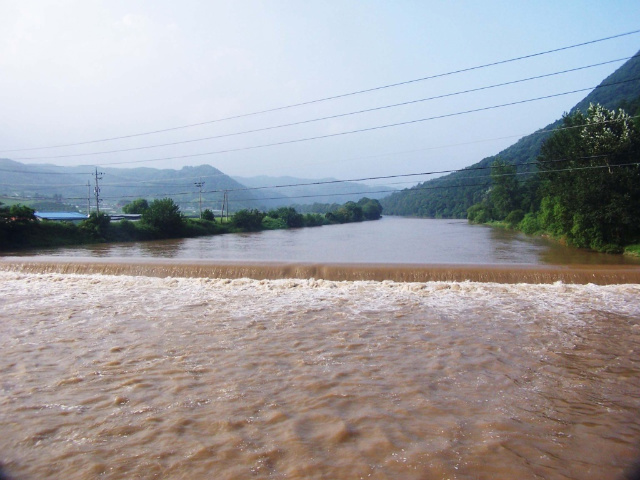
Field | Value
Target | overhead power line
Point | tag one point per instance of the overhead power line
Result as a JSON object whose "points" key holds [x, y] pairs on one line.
{"points": [[368, 129], [334, 97], [417, 188], [404, 175], [383, 177], [329, 117], [187, 179], [439, 187]]}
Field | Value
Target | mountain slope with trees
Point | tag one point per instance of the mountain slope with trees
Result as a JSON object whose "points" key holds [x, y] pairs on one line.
{"points": [[451, 196], [587, 192]]}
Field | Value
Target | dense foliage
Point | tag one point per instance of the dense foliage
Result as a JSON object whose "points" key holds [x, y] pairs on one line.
{"points": [[250, 220], [165, 217], [587, 191], [162, 219], [138, 206], [452, 195]]}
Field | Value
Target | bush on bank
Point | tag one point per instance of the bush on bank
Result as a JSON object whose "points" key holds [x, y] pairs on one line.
{"points": [[161, 219]]}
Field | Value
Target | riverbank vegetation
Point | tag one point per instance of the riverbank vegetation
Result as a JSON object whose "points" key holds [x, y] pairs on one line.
{"points": [[586, 191], [162, 219]]}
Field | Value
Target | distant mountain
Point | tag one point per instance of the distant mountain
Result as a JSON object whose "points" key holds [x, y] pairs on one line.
{"points": [[448, 197], [303, 191], [72, 185]]}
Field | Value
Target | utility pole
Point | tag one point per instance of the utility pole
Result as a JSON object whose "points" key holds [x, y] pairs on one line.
{"points": [[200, 184], [96, 189], [88, 198], [225, 205]]}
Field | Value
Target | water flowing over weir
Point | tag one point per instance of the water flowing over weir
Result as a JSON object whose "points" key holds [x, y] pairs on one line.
{"points": [[575, 274], [159, 368]]}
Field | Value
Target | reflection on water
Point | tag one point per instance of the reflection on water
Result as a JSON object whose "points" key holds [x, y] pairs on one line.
{"points": [[391, 240]]}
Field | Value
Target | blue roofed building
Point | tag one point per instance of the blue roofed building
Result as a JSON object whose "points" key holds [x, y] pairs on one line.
{"points": [[61, 216]]}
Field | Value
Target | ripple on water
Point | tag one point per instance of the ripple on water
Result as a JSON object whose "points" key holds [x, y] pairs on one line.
{"points": [[178, 378]]}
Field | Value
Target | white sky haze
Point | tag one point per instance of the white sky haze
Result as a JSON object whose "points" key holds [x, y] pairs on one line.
{"points": [[75, 71]]}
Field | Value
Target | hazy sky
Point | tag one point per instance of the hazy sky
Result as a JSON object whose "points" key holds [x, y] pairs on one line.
{"points": [[74, 71]]}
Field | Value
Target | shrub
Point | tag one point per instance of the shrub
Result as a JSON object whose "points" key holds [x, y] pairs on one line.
{"points": [[208, 215], [314, 220], [269, 223], [165, 217], [250, 220], [514, 218], [96, 226], [529, 224], [479, 213]]}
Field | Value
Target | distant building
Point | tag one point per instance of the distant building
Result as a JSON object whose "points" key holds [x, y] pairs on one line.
{"points": [[61, 216], [125, 216]]}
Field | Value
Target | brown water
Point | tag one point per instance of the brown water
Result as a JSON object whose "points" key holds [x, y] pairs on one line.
{"points": [[117, 377], [391, 240], [475, 354]]}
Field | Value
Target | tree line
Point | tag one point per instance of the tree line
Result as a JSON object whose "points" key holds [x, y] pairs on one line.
{"points": [[161, 219], [586, 190]]}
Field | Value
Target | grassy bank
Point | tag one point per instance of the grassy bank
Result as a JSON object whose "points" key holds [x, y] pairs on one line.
{"points": [[632, 250], [525, 227]]}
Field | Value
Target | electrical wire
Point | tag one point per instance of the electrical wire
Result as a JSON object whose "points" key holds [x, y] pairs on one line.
{"points": [[313, 120], [439, 187], [334, 97], [368, 129], [384, 177]]}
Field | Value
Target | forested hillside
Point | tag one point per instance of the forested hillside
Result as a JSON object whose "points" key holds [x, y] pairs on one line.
{"points": [[587, 192], [450, 196]]}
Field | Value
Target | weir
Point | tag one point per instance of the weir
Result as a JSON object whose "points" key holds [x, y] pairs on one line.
{"points": [[509, 274]]}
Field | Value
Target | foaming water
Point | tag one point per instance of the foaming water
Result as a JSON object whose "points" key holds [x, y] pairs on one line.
{"points": [[580, 274], [107, 376]]}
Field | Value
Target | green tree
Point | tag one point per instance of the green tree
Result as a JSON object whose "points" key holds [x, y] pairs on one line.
{"points": [[16, 222], [164, 216], [314, 220], [17, 214], [590, 180], [96, 226], [371, 209], [208, 215], [288, 215], [250, 220], [504, 196], [138, 206]]}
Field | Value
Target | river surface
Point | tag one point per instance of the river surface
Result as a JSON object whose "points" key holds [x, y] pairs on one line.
{"points": [[391, 240], [122, 376]]}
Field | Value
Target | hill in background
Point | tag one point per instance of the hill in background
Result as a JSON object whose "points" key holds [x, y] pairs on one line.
{"points": [[450, 196], [71, 186], [56, 188], [303, 191]]}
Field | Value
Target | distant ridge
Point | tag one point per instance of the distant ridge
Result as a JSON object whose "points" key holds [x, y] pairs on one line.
{"points": [[118, 184], [433, 199], [305, 193], [30, 183]]}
